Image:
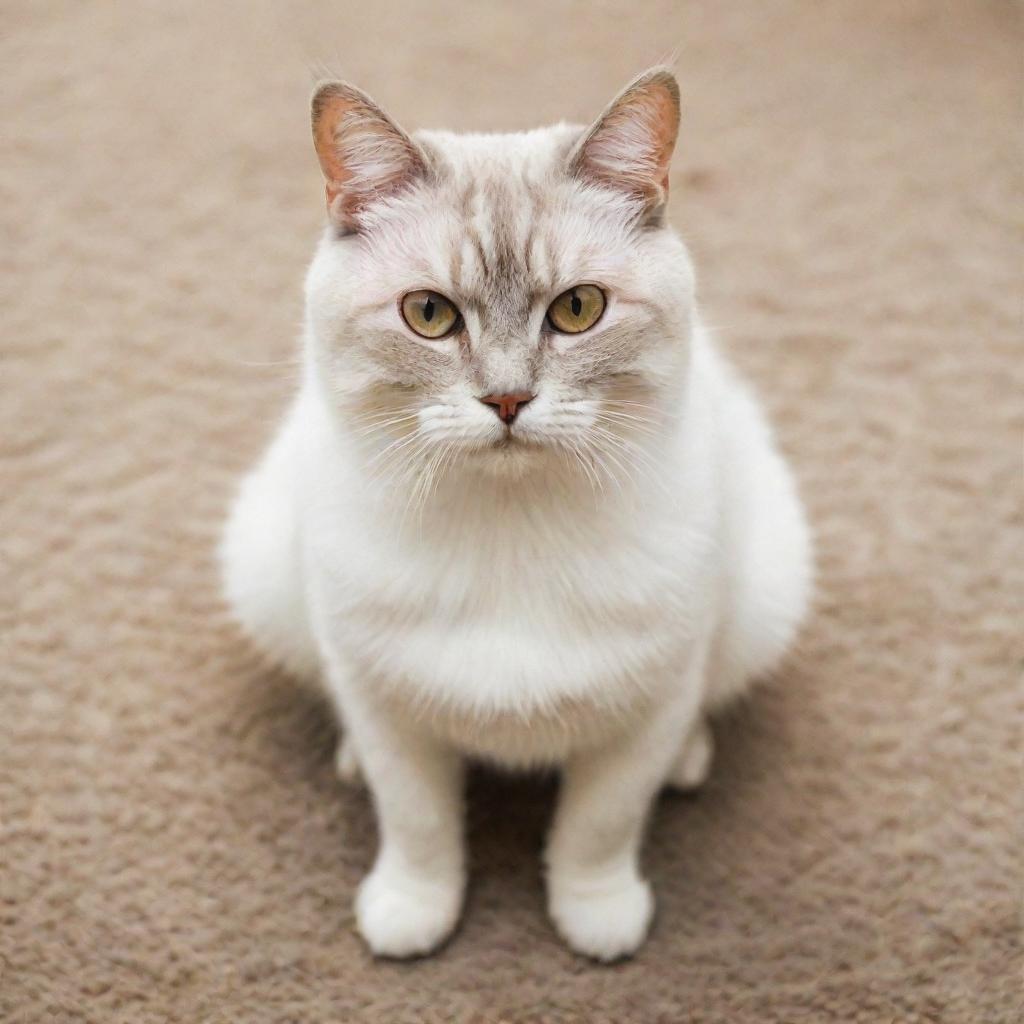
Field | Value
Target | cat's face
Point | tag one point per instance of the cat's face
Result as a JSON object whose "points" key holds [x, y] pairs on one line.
{"points": [[502, 302]]}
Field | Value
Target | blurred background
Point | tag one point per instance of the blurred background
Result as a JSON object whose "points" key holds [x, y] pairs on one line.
{"points": [[174, 844]]}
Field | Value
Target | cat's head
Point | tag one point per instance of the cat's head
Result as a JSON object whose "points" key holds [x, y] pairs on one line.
{"points": [[510, 302]]}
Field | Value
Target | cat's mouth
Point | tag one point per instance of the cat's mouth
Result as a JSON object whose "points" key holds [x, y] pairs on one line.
{"points": [[509, 452], [510, 440], [511, 456], [513, 442]]}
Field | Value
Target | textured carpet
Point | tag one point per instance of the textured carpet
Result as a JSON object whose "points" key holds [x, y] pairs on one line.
{"points": [[174, 846]]}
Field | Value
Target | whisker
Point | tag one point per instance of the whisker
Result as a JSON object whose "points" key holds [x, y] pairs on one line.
{"points": [[367, 419], [601, 455], [377, 428], [628, 422], [634, 456], [396, 446], [398, 464], [619, 414], [633, 405], [582, 458], [425, 484], [447, 458]]}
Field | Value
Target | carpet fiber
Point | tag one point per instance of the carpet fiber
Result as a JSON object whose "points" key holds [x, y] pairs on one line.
{"points": [[174, 846]]}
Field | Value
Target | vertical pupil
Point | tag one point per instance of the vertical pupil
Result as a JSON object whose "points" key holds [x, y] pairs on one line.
{"points": [[577, 304], [428, 310]]}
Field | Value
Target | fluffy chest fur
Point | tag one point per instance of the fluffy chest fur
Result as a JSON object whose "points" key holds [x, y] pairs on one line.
{"points": [[517, 618]]}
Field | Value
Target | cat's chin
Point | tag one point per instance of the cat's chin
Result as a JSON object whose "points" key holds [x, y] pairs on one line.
{"points": [[510, 457]]}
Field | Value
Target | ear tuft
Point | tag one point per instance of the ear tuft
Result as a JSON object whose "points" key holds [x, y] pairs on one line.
{"points": [[364, 155], [629, 147]]}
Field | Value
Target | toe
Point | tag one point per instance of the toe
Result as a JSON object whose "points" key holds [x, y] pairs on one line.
{"points": [[401, 917], [605, 923]]}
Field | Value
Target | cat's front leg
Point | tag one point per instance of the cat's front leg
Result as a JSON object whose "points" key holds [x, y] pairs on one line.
{"points": [[596, 895], [410, 901]]}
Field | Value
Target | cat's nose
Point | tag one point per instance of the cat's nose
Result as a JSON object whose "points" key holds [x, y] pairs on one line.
{"points": [[506, 407]]}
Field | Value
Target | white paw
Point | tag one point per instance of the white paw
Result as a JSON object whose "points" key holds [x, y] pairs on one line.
{"points": [[346, 764], [401, 916], [606, 921], [693, 762]]}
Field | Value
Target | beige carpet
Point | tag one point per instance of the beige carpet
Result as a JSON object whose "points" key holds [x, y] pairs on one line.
{"points": [[174, 846]]}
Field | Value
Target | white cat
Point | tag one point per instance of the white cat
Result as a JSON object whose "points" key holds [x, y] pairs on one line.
{"points": [[521, 510]]}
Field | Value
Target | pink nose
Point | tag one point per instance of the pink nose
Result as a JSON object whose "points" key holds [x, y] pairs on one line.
{"points": [[507, 406]]}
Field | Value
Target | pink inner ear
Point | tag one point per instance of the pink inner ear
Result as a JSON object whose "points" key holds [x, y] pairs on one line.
{"points": [[328, 115], [362, 153], [631, 145], [664, 127]]}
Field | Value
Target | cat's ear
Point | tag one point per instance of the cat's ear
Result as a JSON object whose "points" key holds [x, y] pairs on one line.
{"points": [[364, 155], [629, 147]]}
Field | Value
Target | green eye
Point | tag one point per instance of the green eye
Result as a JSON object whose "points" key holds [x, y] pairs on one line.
{"points": [[576, 310], [429, 314]]}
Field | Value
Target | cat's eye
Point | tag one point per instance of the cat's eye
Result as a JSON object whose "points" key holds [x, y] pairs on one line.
{"points": [[430, 315], [576, 310]]}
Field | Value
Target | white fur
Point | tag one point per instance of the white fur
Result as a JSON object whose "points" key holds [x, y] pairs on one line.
{"points": [[523, 607]]}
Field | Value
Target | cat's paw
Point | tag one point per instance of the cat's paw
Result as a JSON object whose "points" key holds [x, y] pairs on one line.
{"points": [[401, 916], [692, 765], [346, 763], [604, 921]]}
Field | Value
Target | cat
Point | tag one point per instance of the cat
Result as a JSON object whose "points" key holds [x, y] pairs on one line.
{"points": [[521, 509]]}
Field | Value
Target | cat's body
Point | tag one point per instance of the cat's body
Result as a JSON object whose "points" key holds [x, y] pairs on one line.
{"points": [[576, 586]]}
